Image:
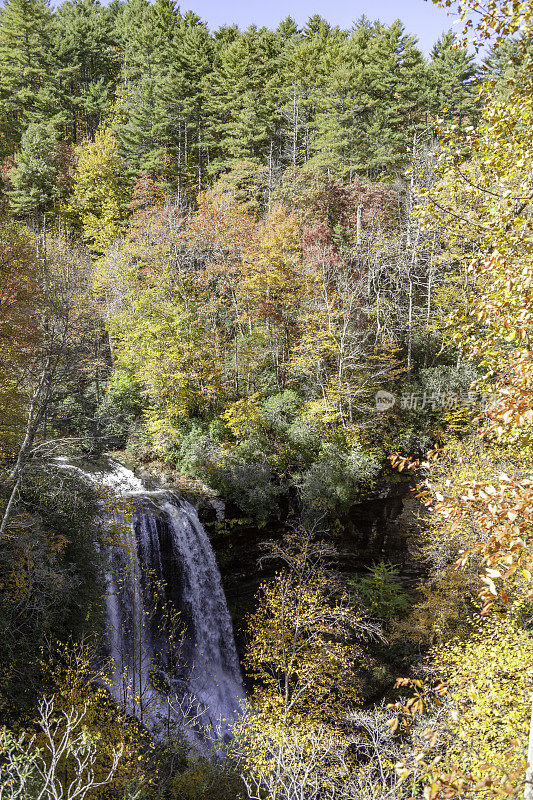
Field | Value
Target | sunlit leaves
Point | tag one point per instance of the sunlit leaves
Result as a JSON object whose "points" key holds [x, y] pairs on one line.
{"points": [[99, 192]]}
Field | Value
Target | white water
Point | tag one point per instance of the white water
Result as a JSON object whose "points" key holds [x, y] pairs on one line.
{"points": [[215, 677], [169, 674]]}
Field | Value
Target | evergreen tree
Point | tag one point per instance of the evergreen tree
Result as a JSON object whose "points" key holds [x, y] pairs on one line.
{"points": [[239, 109], [223, 37], [135, 35], [507, 62], [147, 33], [287, 29], [34, 176], [372, 103], [27, 85], [452, 80], [197, 54], [317, 27], [88, 56], [303, 66], [136, 130], [333, 117], [188, 105], [160, 120], [397, 89]]}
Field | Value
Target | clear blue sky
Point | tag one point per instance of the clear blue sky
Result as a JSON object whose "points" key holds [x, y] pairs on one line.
{"points": [[421, 18]]}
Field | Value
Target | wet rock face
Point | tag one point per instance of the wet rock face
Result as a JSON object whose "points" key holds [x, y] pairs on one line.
{"points": [[381, 527]]}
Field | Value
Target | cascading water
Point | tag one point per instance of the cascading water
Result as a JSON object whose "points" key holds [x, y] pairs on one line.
{"points": [[215, 677], [171, 670]]}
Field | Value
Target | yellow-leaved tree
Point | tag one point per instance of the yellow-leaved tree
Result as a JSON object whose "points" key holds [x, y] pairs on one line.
{"points": [[490, 674], [482, 496], [99, 194], [272, 288], [303, 651], [484, 195]]}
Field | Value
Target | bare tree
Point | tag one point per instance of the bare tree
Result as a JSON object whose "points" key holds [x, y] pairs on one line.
{"points": [[32, 771]]}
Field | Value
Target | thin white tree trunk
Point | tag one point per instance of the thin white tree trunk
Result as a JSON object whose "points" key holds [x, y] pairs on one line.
{"points": [[359, 222], [9, 507]]}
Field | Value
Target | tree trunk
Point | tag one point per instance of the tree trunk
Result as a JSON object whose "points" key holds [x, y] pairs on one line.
{"points": [[9, 507], [359, 222], [410, 328]]}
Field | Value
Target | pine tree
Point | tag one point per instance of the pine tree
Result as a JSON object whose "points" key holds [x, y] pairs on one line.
{"points": [[88, 58], [34, 176], [135, 34], [319, 55], [397, 89], [239, 108], [195, 52], [507, 62], [140, 147], [372, 103], [160, 109], [223, 37], [300, 74], [147, 33], [27, 86], [287, 29], [453, 77], [316, 27], [334, 117]]}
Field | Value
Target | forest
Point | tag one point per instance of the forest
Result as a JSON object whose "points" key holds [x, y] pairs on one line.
{"points": [[266, 406]]}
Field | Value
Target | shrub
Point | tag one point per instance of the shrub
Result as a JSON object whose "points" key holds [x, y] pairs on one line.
{"points": [[281, 409], [206, 779], [382, 592], [249, 485], [334, 482], [251, 488], [119, 408], [447, 379], [195, 449]]}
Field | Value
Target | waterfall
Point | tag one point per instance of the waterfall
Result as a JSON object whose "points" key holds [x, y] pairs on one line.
{"points": [[169, 635], [215, 677]]}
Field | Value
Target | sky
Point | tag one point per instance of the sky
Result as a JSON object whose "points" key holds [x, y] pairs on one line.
{"points": [[420, 17]]}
